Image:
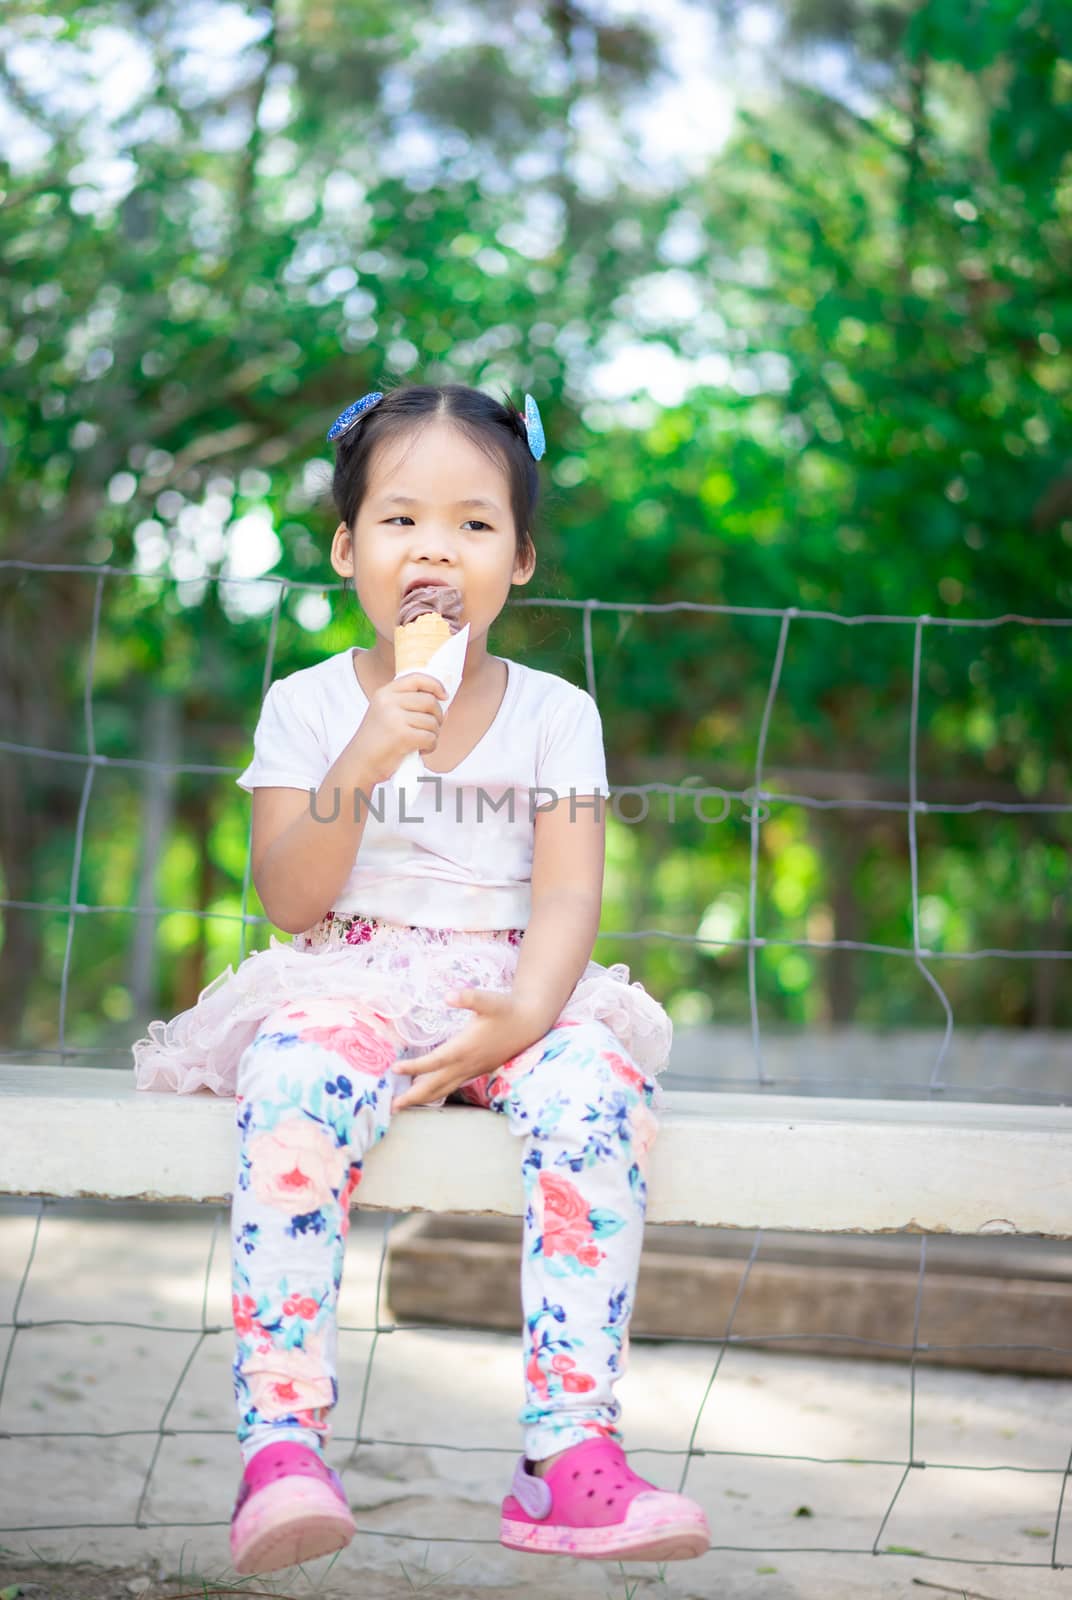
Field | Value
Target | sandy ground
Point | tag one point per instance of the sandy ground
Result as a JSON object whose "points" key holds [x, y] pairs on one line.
{"points": [[440, 1414]]}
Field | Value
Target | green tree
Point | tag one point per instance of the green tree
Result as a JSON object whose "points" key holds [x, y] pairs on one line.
{"points": [[872, 284]]}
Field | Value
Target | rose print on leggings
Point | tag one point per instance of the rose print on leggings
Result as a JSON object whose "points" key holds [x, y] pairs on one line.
{"points": [[314, 1096], [282, 1382], [552, 1369], [567, 1226], [298, 1167], [361, 1048]]}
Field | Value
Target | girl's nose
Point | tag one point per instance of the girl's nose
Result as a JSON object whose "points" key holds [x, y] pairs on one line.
{"points": [[434, 547]]}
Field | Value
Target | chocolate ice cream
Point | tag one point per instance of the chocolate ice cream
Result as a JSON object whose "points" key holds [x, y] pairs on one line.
{"points": [[431, 597]]}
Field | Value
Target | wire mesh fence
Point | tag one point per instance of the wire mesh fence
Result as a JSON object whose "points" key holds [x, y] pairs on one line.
{"points": [[998, 1506], [204, 1329], [708, 803]]}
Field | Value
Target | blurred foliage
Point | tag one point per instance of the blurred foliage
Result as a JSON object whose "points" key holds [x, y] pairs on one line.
{"points": [[868, 291]]}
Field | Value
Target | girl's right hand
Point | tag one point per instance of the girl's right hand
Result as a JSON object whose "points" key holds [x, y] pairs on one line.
{"points": [[406, 714]]}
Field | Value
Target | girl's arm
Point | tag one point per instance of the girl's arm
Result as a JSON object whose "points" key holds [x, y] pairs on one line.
{"points": [[567, 897], [300, 858], [303, 853]]}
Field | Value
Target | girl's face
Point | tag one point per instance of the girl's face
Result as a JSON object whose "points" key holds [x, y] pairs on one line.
{"points": [[419, 521]]}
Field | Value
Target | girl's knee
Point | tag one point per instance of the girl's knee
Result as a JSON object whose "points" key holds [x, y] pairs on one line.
{"points": [[324, 1060], [601, 1098], [352, 1030], [598, 1058]]}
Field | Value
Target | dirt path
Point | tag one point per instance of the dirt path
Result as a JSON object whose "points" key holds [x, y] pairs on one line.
{"points": [[798, 1451]]}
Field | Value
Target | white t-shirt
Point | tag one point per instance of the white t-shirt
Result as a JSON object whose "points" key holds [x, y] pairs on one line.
{"points": [[461, 855]]}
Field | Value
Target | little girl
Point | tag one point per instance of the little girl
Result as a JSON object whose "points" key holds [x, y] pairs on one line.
{"points": [[440, 951]]}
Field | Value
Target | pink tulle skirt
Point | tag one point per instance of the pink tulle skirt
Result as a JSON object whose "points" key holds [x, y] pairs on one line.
{"points": [[404, 971]]}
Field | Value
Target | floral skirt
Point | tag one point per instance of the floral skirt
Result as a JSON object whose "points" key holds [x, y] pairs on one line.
{"points": [[404, 971]]}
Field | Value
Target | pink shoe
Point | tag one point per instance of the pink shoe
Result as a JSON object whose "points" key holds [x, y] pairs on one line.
{"points": [[291, 1507], [592, 1505]]}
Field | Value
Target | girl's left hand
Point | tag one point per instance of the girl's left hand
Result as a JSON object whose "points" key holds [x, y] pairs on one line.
{"points": [[504, 1026]]}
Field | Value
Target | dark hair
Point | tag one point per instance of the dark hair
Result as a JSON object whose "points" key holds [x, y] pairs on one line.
{"points": [[497, 429]]}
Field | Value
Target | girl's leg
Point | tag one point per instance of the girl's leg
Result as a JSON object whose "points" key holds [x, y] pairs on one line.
{"points": [[584, 1110], [314, 1094]]}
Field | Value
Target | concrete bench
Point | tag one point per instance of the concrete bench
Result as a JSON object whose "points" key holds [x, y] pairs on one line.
{"points": [[721, 1160]]}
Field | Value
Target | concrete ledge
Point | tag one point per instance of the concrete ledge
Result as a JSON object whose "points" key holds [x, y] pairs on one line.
{"points": [[721, 1160]]}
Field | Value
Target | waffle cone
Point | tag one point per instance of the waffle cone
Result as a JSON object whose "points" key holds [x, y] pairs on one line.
{"points": [[417, 641]]}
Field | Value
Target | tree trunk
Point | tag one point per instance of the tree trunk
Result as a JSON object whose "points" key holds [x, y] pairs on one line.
{"points": [[160, 742], [191, 972]]}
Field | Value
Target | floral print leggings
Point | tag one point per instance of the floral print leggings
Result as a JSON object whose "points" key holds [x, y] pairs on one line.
{"points": [[314, 1095]]}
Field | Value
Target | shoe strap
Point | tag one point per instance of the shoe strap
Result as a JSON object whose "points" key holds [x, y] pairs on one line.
{"points": [[532, 1494]]}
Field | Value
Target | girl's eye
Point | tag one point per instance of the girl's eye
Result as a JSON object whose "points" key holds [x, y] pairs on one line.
{"points": [[401, 514]]}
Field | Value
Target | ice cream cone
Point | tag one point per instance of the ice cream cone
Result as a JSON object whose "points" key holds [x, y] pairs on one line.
{"points": [[417, 642]]}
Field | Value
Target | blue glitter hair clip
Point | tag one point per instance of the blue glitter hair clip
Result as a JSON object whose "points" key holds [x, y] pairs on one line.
{"points": [[353, 414], [533, 427]]}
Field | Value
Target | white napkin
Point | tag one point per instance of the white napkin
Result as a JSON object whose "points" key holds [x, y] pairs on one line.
{"points": [[447, 665]]}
